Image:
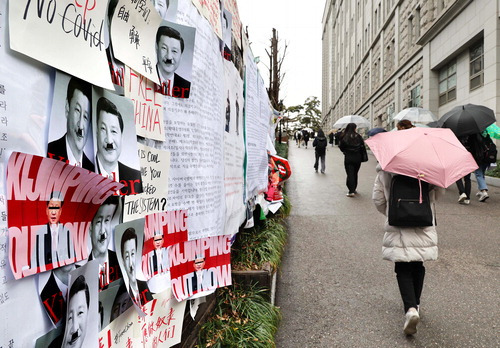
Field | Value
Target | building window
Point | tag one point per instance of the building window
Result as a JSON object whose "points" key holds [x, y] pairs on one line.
{"points": [[416, 32], [448, 83], [410, 30], [414, 97], [476, 56]]}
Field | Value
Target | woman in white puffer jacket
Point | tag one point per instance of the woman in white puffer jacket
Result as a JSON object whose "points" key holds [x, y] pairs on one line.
{"points": [[408, 248]]}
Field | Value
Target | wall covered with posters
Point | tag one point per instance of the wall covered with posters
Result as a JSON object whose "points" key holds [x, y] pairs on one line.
{"points": [[133, 143]]}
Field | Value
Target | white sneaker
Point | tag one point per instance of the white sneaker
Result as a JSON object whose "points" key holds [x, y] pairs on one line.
{"points": [[462, 198], [478, 193], [484, 196], [466, 202], [412, 319]]}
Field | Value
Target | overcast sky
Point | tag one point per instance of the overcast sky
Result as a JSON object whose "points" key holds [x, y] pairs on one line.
{"points": [[299, 25]]}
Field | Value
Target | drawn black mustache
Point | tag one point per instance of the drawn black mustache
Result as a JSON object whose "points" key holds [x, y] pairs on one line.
{"points": [[75, 336], [109, 146], [79, 132], [103, 237], [168, 61]]}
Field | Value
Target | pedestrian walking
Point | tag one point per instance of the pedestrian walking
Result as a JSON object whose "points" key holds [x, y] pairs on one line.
{"points": [[320, 144], [331, 137], [352, 145], [408, 248], [299, 137], [471, 144], [337, 137], [305, 136], [484, 163]]}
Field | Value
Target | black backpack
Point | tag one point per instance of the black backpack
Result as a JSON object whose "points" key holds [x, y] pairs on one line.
{"points": [[405, 208], [489, 150]]}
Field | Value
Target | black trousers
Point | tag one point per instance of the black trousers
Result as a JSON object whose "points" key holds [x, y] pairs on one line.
{"points": [[465, 186], [410, 276], [352, 169]]}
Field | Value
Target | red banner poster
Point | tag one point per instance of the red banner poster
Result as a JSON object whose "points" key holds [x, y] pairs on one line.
{"points": [[200, 266], [50, 207]]}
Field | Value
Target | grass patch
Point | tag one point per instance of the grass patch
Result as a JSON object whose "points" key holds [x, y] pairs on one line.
{"points": [[259, 245], [281, 149], [241, 318], [495, 171]]}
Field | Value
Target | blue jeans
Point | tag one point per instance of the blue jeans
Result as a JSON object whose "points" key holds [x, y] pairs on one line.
{"points": [[479, 173]]}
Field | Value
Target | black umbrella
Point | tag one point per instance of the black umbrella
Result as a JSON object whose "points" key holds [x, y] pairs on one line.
{"points": [[467, 119]]}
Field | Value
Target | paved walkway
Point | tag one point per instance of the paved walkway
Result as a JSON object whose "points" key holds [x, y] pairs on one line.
{"points": [[336, 291]]}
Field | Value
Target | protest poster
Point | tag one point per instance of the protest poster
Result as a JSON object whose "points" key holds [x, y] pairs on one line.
{"points": [[133, 32], [256, 129], [194, 136], [80, 326], [160, 231], [234, 150], [232, 7], [129, 238], [174, 53], [155, 166], [115, 142], [101, 232], [56, 25], [148, 105], [160, 327], [70, 127], [61, 199], [200, 266]]}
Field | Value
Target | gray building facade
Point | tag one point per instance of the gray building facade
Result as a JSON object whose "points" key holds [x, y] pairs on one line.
{"points": [[382, 56]]}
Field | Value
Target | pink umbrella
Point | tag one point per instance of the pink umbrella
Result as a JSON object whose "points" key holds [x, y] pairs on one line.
{"points": [[434, 155]]}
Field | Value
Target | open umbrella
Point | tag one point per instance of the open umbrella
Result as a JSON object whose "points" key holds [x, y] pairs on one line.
{"points": [[434, 155], [415, 115], [360, 121], [494, 131], [467, 119], [374, 131]]}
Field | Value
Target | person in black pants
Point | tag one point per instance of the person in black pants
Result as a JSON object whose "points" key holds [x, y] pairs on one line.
{"points": [[351, 144]]}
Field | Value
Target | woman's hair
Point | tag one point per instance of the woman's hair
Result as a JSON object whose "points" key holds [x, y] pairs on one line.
{"points": [[404, 124], [321, 133], [350, 136]]}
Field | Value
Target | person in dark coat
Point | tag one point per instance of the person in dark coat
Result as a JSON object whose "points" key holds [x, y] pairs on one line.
{"points": [[351, 144], [305, 136], [320, 145], [331, 137]]}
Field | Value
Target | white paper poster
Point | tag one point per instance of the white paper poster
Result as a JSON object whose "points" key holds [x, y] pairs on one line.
{"points": [[234, 149], [44, 30], [194, 135], [133, 33], [256, 129], [148, 105], [155, 167], [22, 128]]}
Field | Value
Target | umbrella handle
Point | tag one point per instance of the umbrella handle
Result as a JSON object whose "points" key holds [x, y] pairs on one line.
{"points": [[420, 187]]}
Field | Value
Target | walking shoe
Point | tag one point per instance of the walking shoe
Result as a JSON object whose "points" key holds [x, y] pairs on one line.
{"points": [[478, 193], [412, 319], [484, 196], [322, 172], [350, 194], [462, 198], [466, 202]]}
